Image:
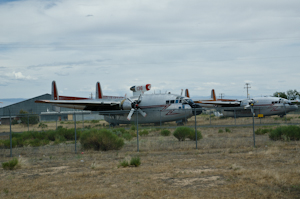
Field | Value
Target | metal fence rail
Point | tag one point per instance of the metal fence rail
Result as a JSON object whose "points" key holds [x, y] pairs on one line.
{"points": [[206, 119]]}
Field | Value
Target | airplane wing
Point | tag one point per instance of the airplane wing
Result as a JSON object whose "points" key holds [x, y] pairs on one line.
{"points": [[220, 103], [93, 105]]}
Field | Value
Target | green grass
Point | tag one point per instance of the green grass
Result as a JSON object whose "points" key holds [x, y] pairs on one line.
{"points": [[135, 161], [10, 165], [285, 133]]}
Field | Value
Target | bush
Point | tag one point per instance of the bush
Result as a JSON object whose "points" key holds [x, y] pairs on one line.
{"points": [[10, 164], [182, 132], [127, 136], [124, 163], [192, 135], [143, 132], [262, 131], [133, 128], [100, 140], [135, 161], [227, 130], [42, 125], [165, 132], [220, 131], [285, 133]]}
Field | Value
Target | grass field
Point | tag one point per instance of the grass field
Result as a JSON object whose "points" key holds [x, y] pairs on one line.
{"points": [[225, 165]]}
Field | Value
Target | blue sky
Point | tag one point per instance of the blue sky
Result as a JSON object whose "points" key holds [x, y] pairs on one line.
{"points": [[173, 45]]}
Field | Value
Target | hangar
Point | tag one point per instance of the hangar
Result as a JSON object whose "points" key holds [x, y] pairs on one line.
{"points": [[45, 111]]}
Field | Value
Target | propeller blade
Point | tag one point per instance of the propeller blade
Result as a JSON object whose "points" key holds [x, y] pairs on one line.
{"points": [[247, 106], [130, 114], [142, 112], [129, 100]]}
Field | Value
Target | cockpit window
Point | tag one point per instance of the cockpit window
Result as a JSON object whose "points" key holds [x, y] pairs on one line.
{"points": [[187, 101]]}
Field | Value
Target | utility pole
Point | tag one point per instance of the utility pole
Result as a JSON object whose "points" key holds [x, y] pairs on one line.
{"points": [[247, 87], [221, 95]]}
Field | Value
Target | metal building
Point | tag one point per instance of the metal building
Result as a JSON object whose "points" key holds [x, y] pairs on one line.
{"points": [[45, 111], [29, 106]]}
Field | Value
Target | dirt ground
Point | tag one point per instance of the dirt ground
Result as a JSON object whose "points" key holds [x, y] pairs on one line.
{"points": [[225, 165]]}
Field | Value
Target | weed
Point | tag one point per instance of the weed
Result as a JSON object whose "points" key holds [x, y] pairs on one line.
{"points": [[10, 165], [133, 128], [127, 136], [220, 131], [285, 133], [143, 132], [227, 130], [124, 163], [42, 125], [5, 191], [135, 161], [165, 132]]}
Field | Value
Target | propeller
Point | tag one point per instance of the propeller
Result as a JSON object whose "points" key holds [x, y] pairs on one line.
{"points": [[135, 106], [250, 104]]}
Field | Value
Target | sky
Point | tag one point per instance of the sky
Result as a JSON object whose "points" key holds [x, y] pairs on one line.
{"points": [[171, 44]]}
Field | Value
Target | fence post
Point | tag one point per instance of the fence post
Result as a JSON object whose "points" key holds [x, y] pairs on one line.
{"points": [[10, 139], [137, 130], [160, 119], [196, 128], [209, 117], [75, 131], [253, 125], [28, 121], [82, 121]]}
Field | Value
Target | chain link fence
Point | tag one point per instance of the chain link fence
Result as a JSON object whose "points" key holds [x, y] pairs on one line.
{"points": [[85, 120]]}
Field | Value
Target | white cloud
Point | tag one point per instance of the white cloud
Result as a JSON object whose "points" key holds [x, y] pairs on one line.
{"points": [[19, 76]]}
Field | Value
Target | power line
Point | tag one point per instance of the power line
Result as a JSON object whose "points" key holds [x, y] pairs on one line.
{"points": [[247, 86]]}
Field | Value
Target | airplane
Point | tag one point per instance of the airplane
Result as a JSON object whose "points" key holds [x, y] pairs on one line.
{"points": [[154, 108], [265, 106]]}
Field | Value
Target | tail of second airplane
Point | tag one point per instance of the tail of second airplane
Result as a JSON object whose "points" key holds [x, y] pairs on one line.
{"points": [[54, 92], [99, 94], [187, 93], [213, 95]]}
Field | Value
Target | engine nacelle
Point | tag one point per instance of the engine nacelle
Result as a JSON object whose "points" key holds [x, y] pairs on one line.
{"points": [[125, 105], [145, 88]]}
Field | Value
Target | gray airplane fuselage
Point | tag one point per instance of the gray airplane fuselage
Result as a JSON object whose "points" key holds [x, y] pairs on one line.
{"points": [[158, 107], [263, 105]]}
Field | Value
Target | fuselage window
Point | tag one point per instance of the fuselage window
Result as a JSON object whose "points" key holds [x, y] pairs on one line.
{"points": [[167, 102], [272, 102], [276, 102], [179, 101], [172, 101]]}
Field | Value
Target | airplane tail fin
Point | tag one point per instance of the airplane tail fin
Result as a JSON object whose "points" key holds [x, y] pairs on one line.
{"points": [[187, 93], [213, 95], [54, 93], [99, 94]]}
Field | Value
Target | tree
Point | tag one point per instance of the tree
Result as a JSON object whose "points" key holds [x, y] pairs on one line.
{"points": [[292, 94], [280, 94], [33, 119]]}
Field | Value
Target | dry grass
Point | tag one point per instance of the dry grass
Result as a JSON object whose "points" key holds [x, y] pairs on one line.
{"points": [[201, 120], [225, 165]]}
